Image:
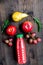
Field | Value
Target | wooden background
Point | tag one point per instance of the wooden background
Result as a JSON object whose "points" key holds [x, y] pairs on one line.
{"points": [[34, 52]]}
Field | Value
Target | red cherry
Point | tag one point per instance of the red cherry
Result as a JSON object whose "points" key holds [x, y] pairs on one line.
{"points": [[11, 40], [39, 39], [10, 44], [30, 40], [35, 42], [27, 36], [33, 34], [6, 41]]}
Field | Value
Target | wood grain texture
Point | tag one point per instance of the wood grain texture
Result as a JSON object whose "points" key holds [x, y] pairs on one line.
{"points": [[8, 53]]}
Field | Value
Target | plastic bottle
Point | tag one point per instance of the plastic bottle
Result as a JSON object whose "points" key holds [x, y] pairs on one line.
{"points": [[21, 50]]}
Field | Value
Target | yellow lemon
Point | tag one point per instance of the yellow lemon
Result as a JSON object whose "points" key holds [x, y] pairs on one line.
{"points": [[17, 16]]}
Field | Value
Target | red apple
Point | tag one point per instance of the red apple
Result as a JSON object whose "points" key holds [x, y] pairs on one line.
{"points": [[27, 26], [11, 30]]}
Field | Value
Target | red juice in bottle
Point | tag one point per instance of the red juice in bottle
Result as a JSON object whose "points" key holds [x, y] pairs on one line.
{"points": [[21, 50]]}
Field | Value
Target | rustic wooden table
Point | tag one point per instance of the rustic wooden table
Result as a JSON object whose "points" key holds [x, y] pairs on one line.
{"points": [[7, 54]]}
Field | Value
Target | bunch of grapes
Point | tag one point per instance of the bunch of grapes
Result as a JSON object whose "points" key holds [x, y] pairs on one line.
{"points": [[9, 42], [32, 38]]}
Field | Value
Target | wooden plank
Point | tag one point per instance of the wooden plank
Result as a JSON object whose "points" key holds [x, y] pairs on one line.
{"points": [[38, 13], [6, 8]]}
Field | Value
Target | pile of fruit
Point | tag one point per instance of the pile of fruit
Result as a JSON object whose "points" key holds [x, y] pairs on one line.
{"points": [[32, 38], [27, 27], [8, 42]]}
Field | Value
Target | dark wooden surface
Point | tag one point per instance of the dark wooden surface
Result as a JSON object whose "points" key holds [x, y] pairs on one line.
{"points": [[7, 54]]}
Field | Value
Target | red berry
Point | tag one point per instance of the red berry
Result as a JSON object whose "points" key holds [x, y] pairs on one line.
{"points": [[27, 36], [11, 40], [39, 39], [10, 44], [33, 34], [30, 40], [35, 41], [6, 41]]}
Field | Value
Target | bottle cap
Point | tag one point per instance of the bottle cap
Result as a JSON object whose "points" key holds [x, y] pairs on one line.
{"points": [[19, 35]]}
